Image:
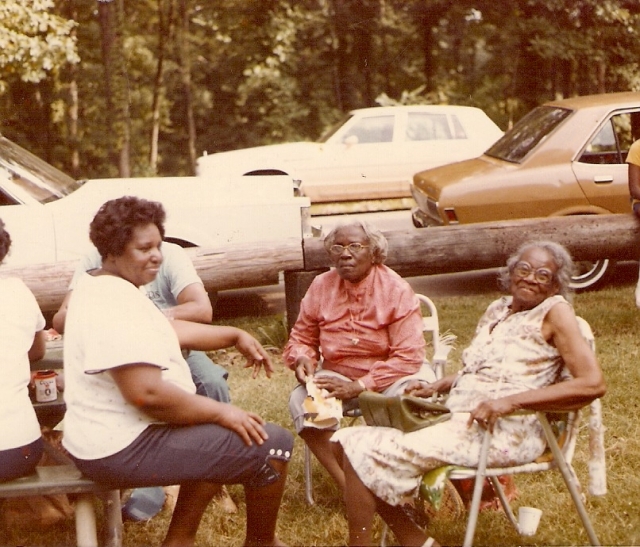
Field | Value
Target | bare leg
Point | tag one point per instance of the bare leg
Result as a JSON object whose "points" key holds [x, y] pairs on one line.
{"points": [[318, 442], [406, 531], [262, 509], [193, 499], [637, 292], [362, 505]]}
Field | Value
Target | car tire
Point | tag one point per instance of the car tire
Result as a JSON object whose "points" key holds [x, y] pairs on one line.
{"points": [[592, 275]]}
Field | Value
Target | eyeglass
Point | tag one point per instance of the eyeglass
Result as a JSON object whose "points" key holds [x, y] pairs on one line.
{"points": [[353, 248], [541, 275]]}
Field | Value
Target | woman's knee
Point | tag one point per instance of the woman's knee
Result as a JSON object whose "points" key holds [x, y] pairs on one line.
{"points": [[276, 459]]}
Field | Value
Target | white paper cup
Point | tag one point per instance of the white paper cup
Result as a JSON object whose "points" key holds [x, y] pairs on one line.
{"points": [[528, 520]]}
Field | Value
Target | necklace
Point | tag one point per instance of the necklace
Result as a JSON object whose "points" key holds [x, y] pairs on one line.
{"points": [[355, 340]]}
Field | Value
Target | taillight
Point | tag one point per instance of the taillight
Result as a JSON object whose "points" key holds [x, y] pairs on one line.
{"points": [[450, 215]]}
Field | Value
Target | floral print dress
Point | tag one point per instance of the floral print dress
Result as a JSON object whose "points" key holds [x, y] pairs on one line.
{"points": [[507, 355]]}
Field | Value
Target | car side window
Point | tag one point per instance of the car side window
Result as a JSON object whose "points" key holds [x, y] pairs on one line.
{"points": [[6, 200], [611, 144], [371, 129], [424, 126], [603, 148]]}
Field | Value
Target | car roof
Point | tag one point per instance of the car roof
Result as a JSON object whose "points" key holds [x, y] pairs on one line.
{"points": [[607, 100], [415, 108]]}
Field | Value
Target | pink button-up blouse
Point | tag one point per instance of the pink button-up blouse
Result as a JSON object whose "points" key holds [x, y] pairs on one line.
{"points": [[371, 330]]}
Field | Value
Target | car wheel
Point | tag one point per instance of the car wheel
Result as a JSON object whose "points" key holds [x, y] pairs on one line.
{"points": [[591, 275]]}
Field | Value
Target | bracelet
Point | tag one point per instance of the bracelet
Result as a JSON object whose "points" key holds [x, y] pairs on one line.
{"points": [[361, 383]]}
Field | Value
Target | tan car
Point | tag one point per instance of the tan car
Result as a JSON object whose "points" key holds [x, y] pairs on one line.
{"points": [[566, 157]]}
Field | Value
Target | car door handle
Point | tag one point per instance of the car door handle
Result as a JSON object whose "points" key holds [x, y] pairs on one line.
{"points": [[603, 179]]}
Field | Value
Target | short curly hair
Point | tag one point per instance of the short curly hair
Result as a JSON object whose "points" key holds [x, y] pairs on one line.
{"points": [[5, 241], [560, 256], [378, 243], [112, 227]]}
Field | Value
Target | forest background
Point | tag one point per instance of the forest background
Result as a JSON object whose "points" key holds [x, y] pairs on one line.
{"points": [[104, 88]]}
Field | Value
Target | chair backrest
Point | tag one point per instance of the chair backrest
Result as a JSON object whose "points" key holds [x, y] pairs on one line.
{"points": [[430, 323], [597, 464]]}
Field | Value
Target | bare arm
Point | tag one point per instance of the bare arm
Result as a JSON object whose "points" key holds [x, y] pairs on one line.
{"points": [[61, 315], [209, 337], [193, 305], [634, 181], [560, 328], [38, 348], [142, 386], [634, 186]]}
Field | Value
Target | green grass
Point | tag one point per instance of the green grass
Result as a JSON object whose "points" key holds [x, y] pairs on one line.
{"points": [[616, 516]]}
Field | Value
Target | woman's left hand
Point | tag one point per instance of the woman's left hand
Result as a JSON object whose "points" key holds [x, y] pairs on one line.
{"points": [[338, 388], [488, 412], [256, 356]]}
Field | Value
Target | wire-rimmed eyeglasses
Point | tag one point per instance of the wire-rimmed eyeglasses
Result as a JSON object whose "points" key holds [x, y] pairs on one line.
{"points": [[541, 275], [353, 248]]}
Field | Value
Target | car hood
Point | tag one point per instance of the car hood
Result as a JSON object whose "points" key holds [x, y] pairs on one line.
{"points": [[287, 157]]}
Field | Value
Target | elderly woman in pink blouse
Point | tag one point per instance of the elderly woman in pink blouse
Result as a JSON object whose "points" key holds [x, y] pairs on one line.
{"points": [[364, 320]]}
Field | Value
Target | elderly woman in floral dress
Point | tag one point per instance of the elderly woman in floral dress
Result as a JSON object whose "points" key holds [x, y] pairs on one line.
{"points": [[522, 345]]}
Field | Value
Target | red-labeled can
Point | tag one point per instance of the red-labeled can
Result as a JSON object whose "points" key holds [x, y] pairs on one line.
{"points": [[45, 383]]}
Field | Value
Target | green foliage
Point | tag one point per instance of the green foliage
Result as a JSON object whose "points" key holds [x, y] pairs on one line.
{"points": [[269, 71], [33, 41]]}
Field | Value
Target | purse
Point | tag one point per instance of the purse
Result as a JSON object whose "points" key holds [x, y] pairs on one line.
{"points": [[402, 412]]}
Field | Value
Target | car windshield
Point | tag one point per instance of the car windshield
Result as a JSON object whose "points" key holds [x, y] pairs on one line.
{"points": [[527, 133], [26, 177]]}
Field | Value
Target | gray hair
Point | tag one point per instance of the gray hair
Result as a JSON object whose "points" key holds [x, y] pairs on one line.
{"points": [[561, 258], [378, 245]]}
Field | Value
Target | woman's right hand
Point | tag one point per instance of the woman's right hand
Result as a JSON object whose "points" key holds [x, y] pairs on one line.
{"points": [[305, 368]]}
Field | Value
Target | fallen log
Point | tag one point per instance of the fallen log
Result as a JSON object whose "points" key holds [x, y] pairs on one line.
{"points": [[487, 245], [411, 253], [234, 267]]}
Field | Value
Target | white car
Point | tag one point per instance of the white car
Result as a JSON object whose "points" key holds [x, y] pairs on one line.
{"points": [[47, 213], [372, 154]]}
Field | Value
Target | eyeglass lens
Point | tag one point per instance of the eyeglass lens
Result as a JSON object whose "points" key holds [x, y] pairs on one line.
{"points": [[353, 248], [541, 275]]}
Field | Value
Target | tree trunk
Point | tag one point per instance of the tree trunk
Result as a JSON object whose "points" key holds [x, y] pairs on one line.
{"points": [[185, 71], [118, 120], [106, 18], [124, 164], [165, 25]]}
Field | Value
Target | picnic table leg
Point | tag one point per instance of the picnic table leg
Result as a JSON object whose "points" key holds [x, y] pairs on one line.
{"points": [[113, 516], [86, 535]]}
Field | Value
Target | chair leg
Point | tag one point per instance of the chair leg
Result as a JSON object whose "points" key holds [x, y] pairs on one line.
{"points": [[477, 490], [495, 481], [86, 535], [308, 478], [569, 478]]}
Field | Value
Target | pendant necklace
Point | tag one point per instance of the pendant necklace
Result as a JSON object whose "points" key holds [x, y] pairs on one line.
{"points": [[355, 340]]}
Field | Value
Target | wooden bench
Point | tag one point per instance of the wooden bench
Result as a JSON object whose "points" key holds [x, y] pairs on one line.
{"points": [[65, 478]]}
